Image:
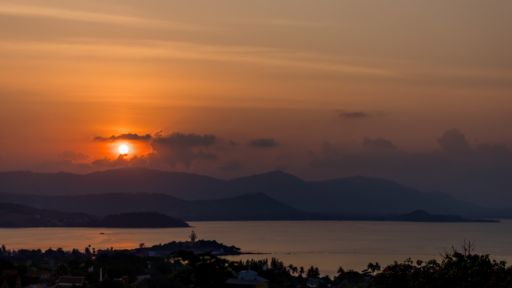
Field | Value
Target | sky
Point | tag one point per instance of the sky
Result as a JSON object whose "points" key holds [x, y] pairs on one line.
{"points": [[414, 91]]}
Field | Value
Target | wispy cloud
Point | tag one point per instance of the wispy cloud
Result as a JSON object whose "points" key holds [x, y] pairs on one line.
{"points": [[147, 49], [273, 22], [257, 55], [88, 16]]}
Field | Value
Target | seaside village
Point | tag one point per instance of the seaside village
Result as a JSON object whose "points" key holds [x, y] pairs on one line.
{"points": [[193, 263], [120, 269], [203, 264]]}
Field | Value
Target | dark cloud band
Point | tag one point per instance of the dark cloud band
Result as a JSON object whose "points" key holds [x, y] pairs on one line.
{"points": [[127, 136]]}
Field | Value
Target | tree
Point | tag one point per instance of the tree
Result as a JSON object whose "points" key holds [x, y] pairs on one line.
{"points": [[293, 269], [341, 270], [372, 268], [87, 250], [313, 272]]}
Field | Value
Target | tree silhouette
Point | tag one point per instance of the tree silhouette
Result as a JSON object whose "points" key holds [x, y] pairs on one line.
{"points": [[193, 236]]}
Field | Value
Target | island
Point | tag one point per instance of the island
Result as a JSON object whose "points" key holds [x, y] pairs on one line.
{"points": [[193, 246]]}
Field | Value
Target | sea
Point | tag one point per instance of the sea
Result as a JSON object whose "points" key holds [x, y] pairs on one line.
{"points": [[324, 244]]}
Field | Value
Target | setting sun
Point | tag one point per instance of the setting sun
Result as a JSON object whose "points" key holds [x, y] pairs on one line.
{"points": [[123, 149]]}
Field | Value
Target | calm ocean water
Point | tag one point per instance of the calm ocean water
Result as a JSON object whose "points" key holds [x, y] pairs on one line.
{"points": [[326, 244]]}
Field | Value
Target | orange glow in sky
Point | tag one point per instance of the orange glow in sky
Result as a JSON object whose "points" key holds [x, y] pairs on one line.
{"points": [[305, 74]]}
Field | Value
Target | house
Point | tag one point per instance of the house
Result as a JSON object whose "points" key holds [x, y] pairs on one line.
{"points": [[247, 279]]}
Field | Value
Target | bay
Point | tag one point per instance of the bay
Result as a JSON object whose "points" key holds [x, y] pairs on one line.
{"points": [[325, 244]]}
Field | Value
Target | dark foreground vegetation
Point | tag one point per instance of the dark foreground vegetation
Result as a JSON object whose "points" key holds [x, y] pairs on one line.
{"points": [[185, 268]]}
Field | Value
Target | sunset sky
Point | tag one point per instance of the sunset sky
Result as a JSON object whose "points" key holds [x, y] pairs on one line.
{"points": [[415, 91]]}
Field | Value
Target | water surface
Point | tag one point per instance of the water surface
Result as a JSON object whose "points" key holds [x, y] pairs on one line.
{"points": [[326, 244]]}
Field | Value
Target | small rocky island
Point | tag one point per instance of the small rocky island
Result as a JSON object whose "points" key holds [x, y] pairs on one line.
{"points": [[196, 247], [192, 246]]}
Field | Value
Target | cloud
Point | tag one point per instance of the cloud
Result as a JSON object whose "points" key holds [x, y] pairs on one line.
{"points": [[185, 140], [182, 50], [353, 115], [203, 153], [263, 143], [46, 11], [127, 136], [175, 150], [183, 149], [480, 173]]}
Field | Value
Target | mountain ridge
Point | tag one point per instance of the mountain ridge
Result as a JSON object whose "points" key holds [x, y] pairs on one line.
{"points": [[354, 194]]}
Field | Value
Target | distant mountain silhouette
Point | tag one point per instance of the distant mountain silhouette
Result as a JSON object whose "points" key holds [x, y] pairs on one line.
{"points": [[355, 195], [126, 180], [245, 207], [16, 216], [373, 195], [424, 216], [256, 206]]}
